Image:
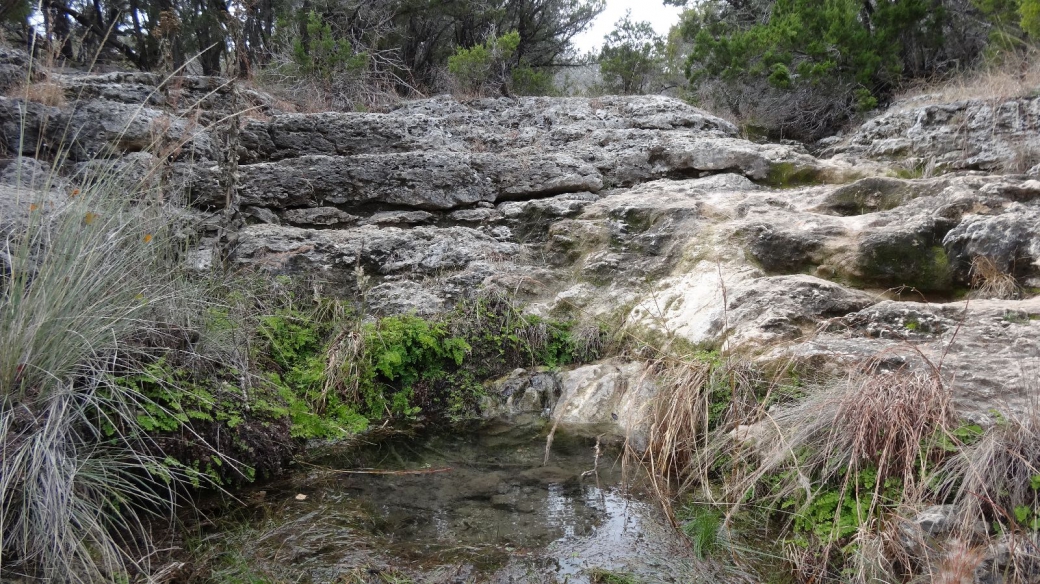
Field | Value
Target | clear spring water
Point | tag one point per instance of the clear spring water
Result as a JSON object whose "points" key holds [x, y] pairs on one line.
{"points": [[472, 505]]}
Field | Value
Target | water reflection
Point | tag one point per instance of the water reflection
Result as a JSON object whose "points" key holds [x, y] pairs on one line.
{"points": [[498, 515]]}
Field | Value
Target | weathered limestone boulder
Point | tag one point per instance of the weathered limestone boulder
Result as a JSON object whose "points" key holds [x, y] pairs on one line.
{"points": [[721, 260], [1012, 554], [29, 189], [91, 128], [442, 154], [134, 88], [874, 194], [457, 258], [610, 394], [205, 99], [918, 536], [529, 221], [1010, 240], [14, 69], [906, 254], [986, 349], [341, 134], [327, 216], [523, 392], [979, 134]]}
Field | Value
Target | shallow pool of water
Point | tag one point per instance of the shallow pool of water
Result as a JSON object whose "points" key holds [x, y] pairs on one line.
{"points": [[473, 505]]}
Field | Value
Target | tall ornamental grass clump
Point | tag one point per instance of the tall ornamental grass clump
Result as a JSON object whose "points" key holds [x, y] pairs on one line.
{"points": [[88, 278]]}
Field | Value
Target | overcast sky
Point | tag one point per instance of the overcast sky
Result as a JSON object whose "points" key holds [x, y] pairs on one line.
{"points": [[654, 11]]}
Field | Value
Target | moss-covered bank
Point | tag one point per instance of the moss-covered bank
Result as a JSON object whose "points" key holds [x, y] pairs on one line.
{"points": [[317, 369]]}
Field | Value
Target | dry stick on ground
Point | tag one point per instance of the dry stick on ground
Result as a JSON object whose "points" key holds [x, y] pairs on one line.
{"points": [[595, 466], [552, 432], [369, 471]]}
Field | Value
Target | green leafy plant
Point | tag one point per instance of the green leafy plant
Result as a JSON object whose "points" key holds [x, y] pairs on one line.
{"points": [[325, 55], [400, 352], [298, 348], [701, 524], [838, 510], [485, 64], [632, 56], [601, 576]]}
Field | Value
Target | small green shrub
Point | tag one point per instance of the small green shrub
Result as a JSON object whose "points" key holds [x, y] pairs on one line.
{"points": [[701, 524], [485, 63], [527, 80], [836, 511], [493, 66], [601, 576], [327, 55]]}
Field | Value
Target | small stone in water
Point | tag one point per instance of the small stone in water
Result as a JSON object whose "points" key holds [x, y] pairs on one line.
{"points": [[301, 497]]}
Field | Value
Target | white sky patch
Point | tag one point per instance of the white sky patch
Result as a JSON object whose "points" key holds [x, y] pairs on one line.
{"points": [[654, 11]]}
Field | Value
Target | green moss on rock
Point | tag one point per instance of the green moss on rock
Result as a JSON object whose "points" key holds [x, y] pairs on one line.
{"points": [[875, 194], [905, 261], [783, 175]]}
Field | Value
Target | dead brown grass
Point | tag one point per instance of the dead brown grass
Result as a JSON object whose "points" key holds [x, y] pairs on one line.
{"points": [[853, 437], [878, 419], [991, 479], [959, 562], [1014, 76], [44, 92], [714, 437], [679, 418], [702, 397], [988, 280], [994, 487], [1024, 156]]}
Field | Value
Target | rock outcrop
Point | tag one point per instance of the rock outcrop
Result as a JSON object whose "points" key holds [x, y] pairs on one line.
{"points": [[640, 210], [973, 134]]}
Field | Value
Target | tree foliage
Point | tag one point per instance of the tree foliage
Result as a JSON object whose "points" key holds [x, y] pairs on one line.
{"points": [[1013, 21], [805, 41], [326, 55], [632, 56], [409, 40], [484, 63], [831, 57]]}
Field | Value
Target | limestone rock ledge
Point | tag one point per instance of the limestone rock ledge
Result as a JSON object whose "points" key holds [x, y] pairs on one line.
{"points": [[641, 211]]}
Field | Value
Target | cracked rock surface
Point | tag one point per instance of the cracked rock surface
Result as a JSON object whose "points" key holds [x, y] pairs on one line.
{"points": [[642, 210]]}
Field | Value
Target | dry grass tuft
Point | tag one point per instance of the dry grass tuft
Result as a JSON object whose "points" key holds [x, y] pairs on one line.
{"points": [[1014, 76], [959, 562], [44, 92], [90, 274], [871, 559], [882, 420], [93, 284], [703, 398], [997, 479], [989, 281], [1024, 157], [680, 417]]}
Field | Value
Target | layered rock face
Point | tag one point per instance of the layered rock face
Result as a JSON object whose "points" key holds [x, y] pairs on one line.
{"points": [[974, 134], [646, 211], [639, 211]]}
